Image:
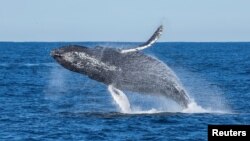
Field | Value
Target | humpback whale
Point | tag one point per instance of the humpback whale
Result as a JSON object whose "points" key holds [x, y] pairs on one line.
{"points": [[125, 69]]}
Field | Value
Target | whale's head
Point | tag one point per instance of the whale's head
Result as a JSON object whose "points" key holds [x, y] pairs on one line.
{"points": [[88, 61], [74, 58]]}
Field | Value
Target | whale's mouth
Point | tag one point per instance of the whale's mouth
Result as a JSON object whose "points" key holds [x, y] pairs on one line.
{"points": [[54, 53]]}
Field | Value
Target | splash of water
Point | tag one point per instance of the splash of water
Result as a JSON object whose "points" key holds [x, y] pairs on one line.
{"points": [[204, 94], [193, 107], [56, 84]]}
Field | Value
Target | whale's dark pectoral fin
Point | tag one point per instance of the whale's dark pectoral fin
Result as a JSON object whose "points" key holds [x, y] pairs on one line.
{"points": [[147, 44]]}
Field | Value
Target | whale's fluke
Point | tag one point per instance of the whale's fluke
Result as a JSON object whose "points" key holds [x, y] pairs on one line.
{"points": [[147, 44]]}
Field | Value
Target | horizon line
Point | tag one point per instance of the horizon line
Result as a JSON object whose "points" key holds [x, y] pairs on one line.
{"points": [[128, 41]]}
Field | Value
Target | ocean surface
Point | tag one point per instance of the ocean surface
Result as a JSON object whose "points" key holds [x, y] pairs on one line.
{"points": [[40, 100]]}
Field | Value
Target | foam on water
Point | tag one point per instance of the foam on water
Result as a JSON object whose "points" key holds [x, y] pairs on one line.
{"points": [[193, 107]]}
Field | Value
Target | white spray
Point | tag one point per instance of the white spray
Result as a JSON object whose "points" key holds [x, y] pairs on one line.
{"points": [[56, 83]]}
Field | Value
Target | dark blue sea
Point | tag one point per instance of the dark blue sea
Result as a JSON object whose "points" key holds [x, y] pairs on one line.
{"points": [[40, 100]]}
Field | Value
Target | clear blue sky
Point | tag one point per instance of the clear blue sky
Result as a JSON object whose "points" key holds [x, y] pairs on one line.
{"points": [[124, 20]]}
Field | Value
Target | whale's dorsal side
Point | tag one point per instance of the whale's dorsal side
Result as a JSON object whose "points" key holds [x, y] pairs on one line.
{"points": [[147, 44]]}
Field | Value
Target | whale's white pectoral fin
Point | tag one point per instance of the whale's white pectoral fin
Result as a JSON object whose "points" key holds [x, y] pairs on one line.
{"points": [[151, 41], [120, 99]]}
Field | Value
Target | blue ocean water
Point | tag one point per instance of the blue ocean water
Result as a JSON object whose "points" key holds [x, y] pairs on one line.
{"points": [[40, 100]]}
